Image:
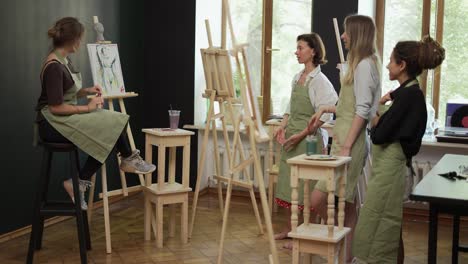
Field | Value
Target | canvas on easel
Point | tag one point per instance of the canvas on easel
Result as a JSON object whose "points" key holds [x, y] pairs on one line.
{"points": [[105, 68], [218, 72]]}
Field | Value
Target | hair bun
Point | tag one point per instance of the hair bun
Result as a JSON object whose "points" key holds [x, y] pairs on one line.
{"points": [[431, 53], [53, 32], [66, 31]]}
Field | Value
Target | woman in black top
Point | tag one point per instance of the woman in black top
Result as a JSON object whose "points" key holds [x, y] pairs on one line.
{"points": [[396, 134]]}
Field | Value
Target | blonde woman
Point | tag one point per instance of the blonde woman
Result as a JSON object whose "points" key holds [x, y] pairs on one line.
{"points": [[357, 104]]}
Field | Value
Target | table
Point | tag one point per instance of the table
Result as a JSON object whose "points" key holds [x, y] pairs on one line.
{"points": [[444, 196]]}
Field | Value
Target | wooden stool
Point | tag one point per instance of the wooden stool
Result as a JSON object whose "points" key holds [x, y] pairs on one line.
{"points": [[170, 192], [327, 240], [43, 207], [274, 157]]}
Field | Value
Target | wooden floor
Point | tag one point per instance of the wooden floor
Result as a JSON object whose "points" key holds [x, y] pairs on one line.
{"points": [[243, 245]]}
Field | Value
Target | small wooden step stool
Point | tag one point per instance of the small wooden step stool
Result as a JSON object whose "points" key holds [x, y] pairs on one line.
{"points": [[326, 240], [163, 192]]}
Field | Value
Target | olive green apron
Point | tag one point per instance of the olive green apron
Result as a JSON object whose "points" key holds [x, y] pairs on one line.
{"points": [[377, 233], [300, 113], [94, 133], [345, 112]]}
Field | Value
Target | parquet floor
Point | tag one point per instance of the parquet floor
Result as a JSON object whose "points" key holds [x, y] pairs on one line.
{"points": [[242, 244]]}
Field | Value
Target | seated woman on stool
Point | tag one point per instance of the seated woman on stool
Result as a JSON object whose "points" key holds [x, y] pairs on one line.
{"points": [[61, 120]]}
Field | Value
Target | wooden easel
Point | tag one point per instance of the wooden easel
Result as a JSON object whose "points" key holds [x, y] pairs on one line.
{"points": [[338, 40], [105, 195], [220, 88], [125, 190], [256, 134]]}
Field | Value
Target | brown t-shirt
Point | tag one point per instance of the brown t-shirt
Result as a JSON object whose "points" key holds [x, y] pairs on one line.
{"points": [[55, 81]]}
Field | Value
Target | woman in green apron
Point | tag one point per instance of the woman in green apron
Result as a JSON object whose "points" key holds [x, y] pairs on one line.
{"points": [[396, 135], [61, 120], [311, 89], [357, 103]]}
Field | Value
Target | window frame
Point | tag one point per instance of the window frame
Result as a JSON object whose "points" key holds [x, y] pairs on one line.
{"points": [[425, 26]]}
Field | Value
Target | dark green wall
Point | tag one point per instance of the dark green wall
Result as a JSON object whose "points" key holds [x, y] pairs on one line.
{"points": [[169, 68], [157, 48], [23, 46]]}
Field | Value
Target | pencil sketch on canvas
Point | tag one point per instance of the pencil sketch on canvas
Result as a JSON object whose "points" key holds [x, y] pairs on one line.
{"points": [[105, 67]]}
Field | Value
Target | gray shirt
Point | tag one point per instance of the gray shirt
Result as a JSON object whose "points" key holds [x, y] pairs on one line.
{"points": [[367, 88]]}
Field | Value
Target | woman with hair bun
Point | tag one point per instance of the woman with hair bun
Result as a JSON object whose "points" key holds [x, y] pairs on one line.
{"points": [[396, 134], [61, 120]]}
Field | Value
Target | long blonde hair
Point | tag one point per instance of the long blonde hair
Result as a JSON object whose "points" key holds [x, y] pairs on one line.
{"points": [[361, 33]]}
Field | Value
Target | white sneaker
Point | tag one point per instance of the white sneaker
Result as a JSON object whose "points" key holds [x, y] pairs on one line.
{"points": [[83, 186], [135, 164]]}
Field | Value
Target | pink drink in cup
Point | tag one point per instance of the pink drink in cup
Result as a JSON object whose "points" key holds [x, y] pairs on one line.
{"points": [[174, 119]]}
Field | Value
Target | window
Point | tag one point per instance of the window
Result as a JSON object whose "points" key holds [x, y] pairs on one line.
{"points": [[453, 84], [284, 66], [247, 20], [445, 22], [211, 10], [402, 22]]}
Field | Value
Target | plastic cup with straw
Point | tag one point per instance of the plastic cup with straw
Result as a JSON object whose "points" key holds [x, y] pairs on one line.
{"points": [[173, 117]]}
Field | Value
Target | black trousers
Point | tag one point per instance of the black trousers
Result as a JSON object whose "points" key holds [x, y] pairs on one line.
{"points": [[48, 133]]}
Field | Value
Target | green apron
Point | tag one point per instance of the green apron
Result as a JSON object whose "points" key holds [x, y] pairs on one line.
{"points": [[345, 112], [300, 113], [377, 233], [94, 133]]}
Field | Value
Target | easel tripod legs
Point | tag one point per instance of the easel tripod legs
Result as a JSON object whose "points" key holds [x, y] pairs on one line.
{"points": [[201, 164]]}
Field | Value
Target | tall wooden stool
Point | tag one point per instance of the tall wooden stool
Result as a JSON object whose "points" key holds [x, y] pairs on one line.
{"points": [[43, 207], [163, 192], [326, 240], [274, 157]]}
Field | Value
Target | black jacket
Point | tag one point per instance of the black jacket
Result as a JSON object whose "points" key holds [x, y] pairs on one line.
{"points": [[405, 120]]}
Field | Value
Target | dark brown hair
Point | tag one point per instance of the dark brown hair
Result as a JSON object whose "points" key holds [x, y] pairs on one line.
{"points": [[314, 41], [65, 31], [419, 55]]}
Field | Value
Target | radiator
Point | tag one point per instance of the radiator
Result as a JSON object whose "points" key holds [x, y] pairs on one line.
{"points": [[421, 168]]}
